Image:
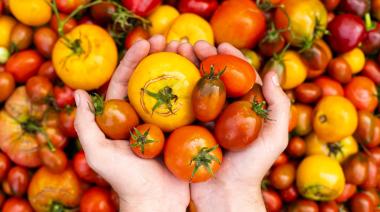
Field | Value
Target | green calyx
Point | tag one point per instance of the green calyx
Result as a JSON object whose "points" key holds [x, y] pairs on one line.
{"points": [[32, 126], [259, 109], [98, 102], [335, 149], [141, 139], [204, 159], [212, 75], [165, 97]]}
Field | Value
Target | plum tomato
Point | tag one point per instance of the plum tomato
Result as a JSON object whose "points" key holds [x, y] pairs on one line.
{"points": [[5, 165], [64, 96], [7, 85], [147, 140], [97, 199], [308, 92], [304, 119], [44, 39], [23, 65], [362, 92], [18, 179], [340, 70], [47, 70], [38, 89], [21, 37]]}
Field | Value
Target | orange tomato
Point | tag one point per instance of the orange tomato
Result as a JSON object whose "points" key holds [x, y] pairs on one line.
{"points": [[362, 92]]}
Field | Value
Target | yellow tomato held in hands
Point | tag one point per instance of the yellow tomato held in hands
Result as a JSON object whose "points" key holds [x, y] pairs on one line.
{"points": [[162, 18], [191, 28], [160, 90], [295, 70], [85, 58], [31, 12], [339, 150], [320, 178], [6, 25], [355, 59], [335, 118]]}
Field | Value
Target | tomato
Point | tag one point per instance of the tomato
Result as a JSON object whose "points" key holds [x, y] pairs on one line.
{"points": [[102, 13], [329, 87], [84, 171], [356, 169], [23, 65], [283, 176], [255, 94], [18, 179], [331, 4], [16, 204], [295, 70], [371, 43], [96, 199], [204, 8], [85, 64], [375, 9], [191, 28], [66, 120], [240, 124], [355, 7], [135, 35], [147, 141], [4, 56], [70, 24], [355, 59], [162, 97], [362, 92], [302, 205], [44, 39], [317, 56], [253, 58], [68, 6], [348, 192], [339, 150], [48, 190], [308, 93], [371, 180], [161, 19], [38, 88], [115, 117], [340, 70], [31, 12], [346, 32], [330, 206], [272, 43], [7, 85], [372, 70], [47, 70], [21, 37], [372, 193], [361, 202], [54, 161], [293, 118], [200, 156], [296, 147], [289, 194], [6, 25], [320, 178], [141, 8], [238, 77], [240, 23], [272, 200], [281, 159], [5, 165], [304, 119], [374, 153], [64, 96]]}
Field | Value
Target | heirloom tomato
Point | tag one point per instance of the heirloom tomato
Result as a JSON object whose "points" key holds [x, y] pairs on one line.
{"points": [[24, 64], [320, 178], [16, 204], [85, 58], [160, 89], [161, 19], [6, 25], [147, 140], [21, 37], [7, 85], [55, 161], [31, 12], [38, 89], [318, 56], [355, 169], [141, 8], [355, 59], [102, 13], [97, 199], [192, 154], [295, 70]]}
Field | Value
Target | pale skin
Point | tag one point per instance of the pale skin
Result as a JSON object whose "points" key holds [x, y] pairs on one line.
{"points": [[147, 185]]}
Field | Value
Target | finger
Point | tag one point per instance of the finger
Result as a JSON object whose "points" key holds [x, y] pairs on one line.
{"points": [[117, 88], [157, 43], [186, 50], [90, 135], [204, 50], [172, 46]]}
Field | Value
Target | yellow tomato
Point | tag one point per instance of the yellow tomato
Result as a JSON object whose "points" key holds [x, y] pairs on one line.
{"points": [[85, 58], [192, 28], [295, 70], [6, 25], [160, 90], [335, 118], [320, 178], [31, 12], [355, 59], [253, 58], [340, 150], [162, 18]]}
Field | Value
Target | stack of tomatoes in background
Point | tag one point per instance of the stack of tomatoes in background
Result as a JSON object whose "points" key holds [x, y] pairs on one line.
{"points": [[325, 52]]}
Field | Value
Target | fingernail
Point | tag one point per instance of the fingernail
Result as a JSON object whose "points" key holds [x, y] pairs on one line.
{"points": [[77, 99], [275, 80]]}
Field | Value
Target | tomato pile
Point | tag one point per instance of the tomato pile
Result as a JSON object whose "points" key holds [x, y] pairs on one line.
{"points": [[325, 52]]}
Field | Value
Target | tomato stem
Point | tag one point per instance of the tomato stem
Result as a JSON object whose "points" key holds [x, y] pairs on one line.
{"points": [[212, 75], [204, 158], [335, 149], [369, 24], [33, 127], [259, 109], [164, 96], [141, 139], [98, 102]]}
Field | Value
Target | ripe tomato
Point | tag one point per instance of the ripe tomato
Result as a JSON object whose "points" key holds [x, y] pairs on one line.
{"points": [[296, 147], [102, 13], [348, 192], [371, 180], [335, 118], [355, 7], [141, 8], [253, 58], [209, 97], [362, 92], [21, 37], [200, 155], [7, 85], [331, 4], [355, 59], [191, 28], [68, 6], [372, 193], [115, 117], [272, 43], [289, 194], [320, 178], [5, 165], [238, 77], [47, 70], [6, 25], [372, 70], [23, 65], [303, 205], [31, 12], [161, 19], [64, 96], [361, 202], [330, 206], [97, 199], [66, 120], [44, 40], [240, 23], [356, 169], [162, 97], [135, 35], [374, 153], [292, 118], [282, 176], [329, 87], [308, 92], [340, 70], [304, 119], [38, 89], [86, 57], [84, 171], [272, 200], [16, 204], [255, 93], [240, 124], [204, 8], [318, 56], [147, 141], [70, 25], [55, 161], [281, 159], [295, 70], [18, 180]]}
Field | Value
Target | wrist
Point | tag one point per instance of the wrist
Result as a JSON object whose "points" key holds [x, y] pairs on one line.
{"points": [[150, 205]]}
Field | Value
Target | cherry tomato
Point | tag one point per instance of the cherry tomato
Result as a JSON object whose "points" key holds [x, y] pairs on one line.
{"points": [[331, 4], [7, 85], [102, 13], [340, 70], [38, 88], [16, 204], [55, 161], [348, 192], [356, 169], [282, 176], [302, 205], [329, 87], [66, 120], [372, 70], [371, 180], [68, 6], [47, 70], [292, 118], [5, 165], [308, 92], [204, 8], [374, 153], [272, 200], [372, 193], [317, 57], [64, 96], [147, 140], [255, 94], [356, 7], [23, 65], [281, 159], [368, 130], [21, 37], [272, 43], [71, 24], [141, 8], [361, 202], [371, 43], [296, 147], [362, 92], [135, 35], [304, 119], [97, 199], [84, 171], [44, 39], [289, 194], [330, 206], [18, 179], [188, 151]]}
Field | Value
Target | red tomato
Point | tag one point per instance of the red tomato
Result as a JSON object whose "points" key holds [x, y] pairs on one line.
{"points": [[340, 70], [102, 13], [281, 159], [47, 70], [356, 169], [23, 65], [330, 206], [44, 39], [7, 85], [66, 120], [5, 165], [147, 141], [361, 202], [282, 176], [372, 70], [84, 171], [375, 154], [362, 92], [16, 204], [204, 8], [68, 6], [38, 89], [64, 96], [329, 87], [66, 28], [289, 194], [135, 35], [18, 180], [303, 205], [371, 181], [348, 192], [55, 161], [296, 147], [272, 200], [308, 92], [331, 4], [141, 8], [96, 199]]}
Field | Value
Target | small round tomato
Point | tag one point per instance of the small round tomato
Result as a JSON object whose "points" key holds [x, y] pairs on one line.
{"points": [[356, 169], [272, 43], [348, 192], [361, 202], [102, 13], [97, 199], [303, 205], [7, 85], [240, 124], [253, 58], [31, 12], [6, 24], [372, 193], [331, 4], [272, 200], [135, 35], [335, 118], [23, 65], [47, 70], [18, 180], [330, 206], [204, 8], [38, 89], [69, 25], [209, 97], [340, 70], [56, 161], [295, 70], [44, 39], [355, 59], [21, 37], [282, 176], [371, 180], [372, 70], [64, 96], [5, 165], [161, 19], [255, 94], [292, 118], [355, 7], [362, 92], [296, 147], [192, 154], [141, 8], [68, 7], [289, 194], [66, 120], [329, 87], [304, 119], [320, 178], [84, 171], [115, 117], [147, 141], [308, 92], [16, 204], [238, 77]]}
